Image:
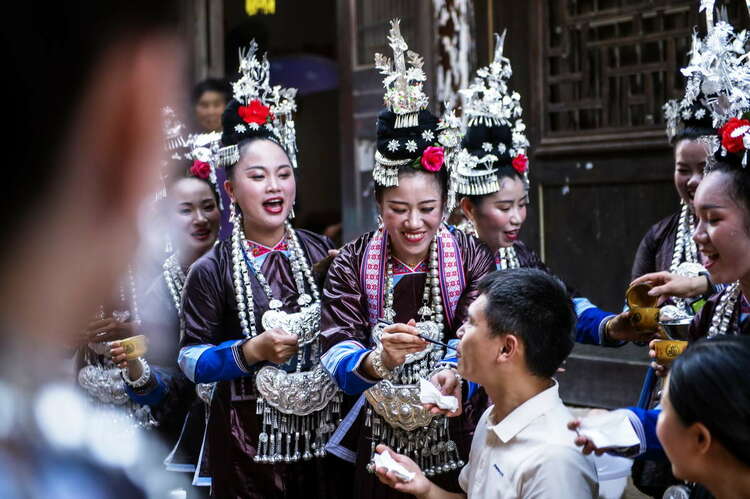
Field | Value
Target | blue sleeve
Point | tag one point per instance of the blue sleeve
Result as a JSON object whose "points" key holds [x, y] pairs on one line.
{"points": [[209, 363], [342, 362], [590, 323], [152, 394], [644, 424]]}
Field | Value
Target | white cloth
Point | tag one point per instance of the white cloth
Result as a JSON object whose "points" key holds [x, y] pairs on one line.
{"points": [[530, 454], [385, 460], [429, 394], [609, 430]]}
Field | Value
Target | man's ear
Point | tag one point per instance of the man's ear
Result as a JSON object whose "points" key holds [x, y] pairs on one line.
{"points": [[119, 131], [509, 348]]}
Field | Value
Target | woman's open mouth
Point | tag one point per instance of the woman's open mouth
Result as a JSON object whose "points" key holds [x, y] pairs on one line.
{"points": [[274, 206], [511, 235]]}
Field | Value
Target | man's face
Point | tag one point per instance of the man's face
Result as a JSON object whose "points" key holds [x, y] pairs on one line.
{"points": [[477, 350]]}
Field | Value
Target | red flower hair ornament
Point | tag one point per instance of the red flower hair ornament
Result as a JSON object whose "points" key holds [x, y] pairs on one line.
{"points": [[733, 134], [521, 163], [433, 158], [200, 169], [255, 112]]}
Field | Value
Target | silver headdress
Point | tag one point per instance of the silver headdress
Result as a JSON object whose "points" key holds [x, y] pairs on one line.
{"points": [[258, 110], [407, 133], [718, 76], [403, 94], [495, 135]]}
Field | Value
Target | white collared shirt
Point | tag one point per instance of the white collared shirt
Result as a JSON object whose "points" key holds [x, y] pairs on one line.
{"points": [[529, 454]]}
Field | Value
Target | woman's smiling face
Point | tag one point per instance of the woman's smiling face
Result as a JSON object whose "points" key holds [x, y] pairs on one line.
{"points": [[412, 212], [723, 232]]}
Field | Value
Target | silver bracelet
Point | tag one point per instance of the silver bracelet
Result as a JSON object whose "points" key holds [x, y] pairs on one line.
{"points": [[145, 375], [376, 357]]}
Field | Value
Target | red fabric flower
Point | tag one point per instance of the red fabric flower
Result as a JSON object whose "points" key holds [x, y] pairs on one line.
{"points": [[432, 158], [200, 169], [730, 143], [521, 163], [255, 112]]}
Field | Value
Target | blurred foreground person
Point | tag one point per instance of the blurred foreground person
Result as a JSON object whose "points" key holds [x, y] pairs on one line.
{"points": [[93, 77]]}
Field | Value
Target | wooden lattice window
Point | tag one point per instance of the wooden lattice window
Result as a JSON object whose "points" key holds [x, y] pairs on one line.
{"points": [[608, 66]]}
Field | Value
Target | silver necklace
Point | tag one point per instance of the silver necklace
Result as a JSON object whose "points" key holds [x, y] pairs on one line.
{"points": [[431, 287], [724, 310], [684, 247], [508, 258], [175, 279], [242, 284]]}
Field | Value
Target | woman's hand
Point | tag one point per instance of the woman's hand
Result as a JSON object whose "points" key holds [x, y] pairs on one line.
{"points": [[400, 340], [273, 345], [621, 328], [109, 329], [448, 382], [419, 486], [666, 284], [659, 369], [120, 358]]}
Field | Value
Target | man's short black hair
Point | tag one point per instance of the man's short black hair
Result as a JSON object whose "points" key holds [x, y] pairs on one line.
{"points": [[535, 307]]}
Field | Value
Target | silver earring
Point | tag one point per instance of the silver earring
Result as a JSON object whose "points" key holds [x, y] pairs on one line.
{"points": [[291, 213], [380, 221]]}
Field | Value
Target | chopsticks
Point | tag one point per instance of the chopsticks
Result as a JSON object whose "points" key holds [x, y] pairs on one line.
{"points": [[427, 339]]}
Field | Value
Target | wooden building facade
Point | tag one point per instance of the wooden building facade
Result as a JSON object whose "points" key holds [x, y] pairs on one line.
{"points": [[593, 76]]}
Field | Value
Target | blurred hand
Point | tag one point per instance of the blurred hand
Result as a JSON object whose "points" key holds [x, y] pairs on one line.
{"points": [[448, 383], [419, 486], [665, 284], [398, 341], [273, 345], [109, 329], [659, 369], [621, 328]]}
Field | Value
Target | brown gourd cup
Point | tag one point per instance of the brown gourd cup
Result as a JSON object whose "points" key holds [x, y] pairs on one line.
{"points": [[644, 314]]}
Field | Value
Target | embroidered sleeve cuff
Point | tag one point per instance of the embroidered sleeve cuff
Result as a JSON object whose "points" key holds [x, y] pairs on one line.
{"points": [[209, 363], [343, 362], [603, 339], [239, 356], [151, 394]]}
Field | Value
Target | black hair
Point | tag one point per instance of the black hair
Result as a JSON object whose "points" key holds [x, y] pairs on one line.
{"points": [[441, 176], [706, 386], [534, 306], [693, 128], [504, 171], [53, 49], [212, 85], [739, 179]]}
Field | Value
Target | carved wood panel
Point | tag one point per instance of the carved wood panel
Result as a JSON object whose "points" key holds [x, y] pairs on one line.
{"points": [[608, 66]]}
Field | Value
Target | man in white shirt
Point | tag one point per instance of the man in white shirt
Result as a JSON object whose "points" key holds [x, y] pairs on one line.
{"points": [[518, 333]]}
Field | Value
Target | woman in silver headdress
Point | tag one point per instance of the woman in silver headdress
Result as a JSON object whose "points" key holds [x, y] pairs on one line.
{"points": [[412, 276], [251, 310]]}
